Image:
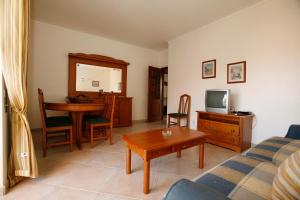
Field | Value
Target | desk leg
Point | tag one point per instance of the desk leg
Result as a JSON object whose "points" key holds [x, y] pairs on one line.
{"points": [[201, 155], [79, 128], [179, 154], [77, 121], [74, 119], [128, 160], [146, 176]]}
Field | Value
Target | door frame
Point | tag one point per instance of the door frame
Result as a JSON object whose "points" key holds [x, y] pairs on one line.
{"points": [[149, 99], [164, 71]]}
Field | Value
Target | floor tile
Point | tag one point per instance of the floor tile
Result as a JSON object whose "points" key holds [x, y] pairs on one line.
{"points": [[88, 177], [98, 173], [61, 193], [27, 190]]}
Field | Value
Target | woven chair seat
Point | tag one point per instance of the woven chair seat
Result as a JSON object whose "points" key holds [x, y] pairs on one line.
{"points": [[176, 115]]}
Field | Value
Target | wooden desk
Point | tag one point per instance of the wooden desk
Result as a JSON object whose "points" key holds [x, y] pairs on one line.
{"points": [[152, 144], [77, 110]]}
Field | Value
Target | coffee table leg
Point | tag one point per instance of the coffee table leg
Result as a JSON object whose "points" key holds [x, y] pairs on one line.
{"points": [[146, 176], [201, 155], [179, 154], [128, 160]]}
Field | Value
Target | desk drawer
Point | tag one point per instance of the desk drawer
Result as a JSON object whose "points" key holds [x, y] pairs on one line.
{"points": [[160, 152], [185, 145]]}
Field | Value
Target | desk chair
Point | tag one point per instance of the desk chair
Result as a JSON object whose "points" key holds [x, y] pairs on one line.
{"points": [[54, 127], [183, 112]]}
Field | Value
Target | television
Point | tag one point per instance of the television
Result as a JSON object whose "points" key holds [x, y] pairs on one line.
{"points": [[217, 101]]}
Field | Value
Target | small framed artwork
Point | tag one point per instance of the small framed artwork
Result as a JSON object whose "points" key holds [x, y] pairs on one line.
{"points": [[209, 69], [236, 72], [95, 83]]}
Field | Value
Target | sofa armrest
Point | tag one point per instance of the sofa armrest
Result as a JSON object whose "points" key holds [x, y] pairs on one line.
{"points": [[188, 190], [293, 132]]}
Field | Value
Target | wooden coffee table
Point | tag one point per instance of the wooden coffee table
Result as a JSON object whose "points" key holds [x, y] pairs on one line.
{"points": [[153, 144]]}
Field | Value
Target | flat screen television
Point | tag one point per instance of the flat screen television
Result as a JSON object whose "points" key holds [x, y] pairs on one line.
{"points": [[217, 101]]}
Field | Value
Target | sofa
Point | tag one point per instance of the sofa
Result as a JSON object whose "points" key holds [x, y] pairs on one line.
{"points": [[246, 176]]}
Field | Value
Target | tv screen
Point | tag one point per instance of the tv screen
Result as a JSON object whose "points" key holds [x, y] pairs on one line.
{"points": [[217, 101]]}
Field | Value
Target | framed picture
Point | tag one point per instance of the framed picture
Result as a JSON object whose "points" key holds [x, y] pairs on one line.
{"points": [[236, 72], [209, 69], [95, 83]]}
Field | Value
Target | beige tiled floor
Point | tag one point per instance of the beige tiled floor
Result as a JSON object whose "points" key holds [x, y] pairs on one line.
{"points": [[99, 173]]}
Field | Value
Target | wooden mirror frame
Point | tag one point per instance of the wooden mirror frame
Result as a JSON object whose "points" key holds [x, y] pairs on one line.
{"points": [[97, 60]]}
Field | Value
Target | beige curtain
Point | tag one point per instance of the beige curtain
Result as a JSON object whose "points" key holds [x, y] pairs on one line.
{"points": [[14, 58]]}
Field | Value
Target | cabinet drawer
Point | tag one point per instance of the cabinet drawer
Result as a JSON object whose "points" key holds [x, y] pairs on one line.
{"points": [[160, 152], [228, 133]]}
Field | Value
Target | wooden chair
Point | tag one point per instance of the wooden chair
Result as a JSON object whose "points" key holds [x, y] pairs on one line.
{"points": [[54, 127], [105, 121], [183, 112]]}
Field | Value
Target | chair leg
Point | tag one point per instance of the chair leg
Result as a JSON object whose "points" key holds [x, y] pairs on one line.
{"points": [[110, 135], [66, 135], [92, 136], [71, 140], [168, 121], [44, 143], [105, 134]]}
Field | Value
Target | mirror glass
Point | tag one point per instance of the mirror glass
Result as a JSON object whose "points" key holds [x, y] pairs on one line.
{"points": [[92, 78]]}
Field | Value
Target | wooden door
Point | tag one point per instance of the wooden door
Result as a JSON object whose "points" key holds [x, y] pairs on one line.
{"points": [[154, 94]]}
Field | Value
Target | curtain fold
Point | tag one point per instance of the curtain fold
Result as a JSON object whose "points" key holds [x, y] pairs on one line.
{"points": [[14, 41]]}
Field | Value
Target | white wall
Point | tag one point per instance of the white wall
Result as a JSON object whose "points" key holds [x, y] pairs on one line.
{"points": [[267, 36], [48, 68], [163, 58]]}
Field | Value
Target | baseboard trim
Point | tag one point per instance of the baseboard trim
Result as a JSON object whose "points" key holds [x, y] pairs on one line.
{"points": [[133, 121], [3, 190], [139, 121]]}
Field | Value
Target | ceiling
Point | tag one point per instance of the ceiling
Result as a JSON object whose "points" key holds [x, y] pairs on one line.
{"points": [[145, 23]]}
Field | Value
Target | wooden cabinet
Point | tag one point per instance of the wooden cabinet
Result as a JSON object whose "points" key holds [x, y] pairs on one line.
{"points": [[125, 111], [122, 113], [226, 130]]}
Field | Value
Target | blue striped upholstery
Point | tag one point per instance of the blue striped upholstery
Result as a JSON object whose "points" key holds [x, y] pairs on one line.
{"points": [[250, 175], [275, 149], [241, 178]]}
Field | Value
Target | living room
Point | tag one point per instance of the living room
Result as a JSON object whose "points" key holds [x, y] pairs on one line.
{"points": [[262, 34]]}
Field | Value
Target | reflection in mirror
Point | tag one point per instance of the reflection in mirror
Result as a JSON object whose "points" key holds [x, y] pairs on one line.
{"points": [[92, 78]]}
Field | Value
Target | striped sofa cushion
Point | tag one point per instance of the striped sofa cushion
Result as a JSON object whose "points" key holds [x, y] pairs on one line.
{"points": [[275, 149], [241, 178], [286, 184]]}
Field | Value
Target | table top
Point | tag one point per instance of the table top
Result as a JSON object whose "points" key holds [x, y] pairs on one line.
{"points": [[74, 107], [154, 139]]}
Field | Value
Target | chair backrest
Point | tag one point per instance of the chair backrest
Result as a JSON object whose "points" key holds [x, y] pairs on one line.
{"points": [[42, 107], [109, 107], [185, 104]]}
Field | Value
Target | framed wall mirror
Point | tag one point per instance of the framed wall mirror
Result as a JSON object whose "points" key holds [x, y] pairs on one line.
{"points": [[91, 75]]}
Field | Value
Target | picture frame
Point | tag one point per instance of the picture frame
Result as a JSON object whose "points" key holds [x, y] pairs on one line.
{"points": [[236, 72], [209, 69]]}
